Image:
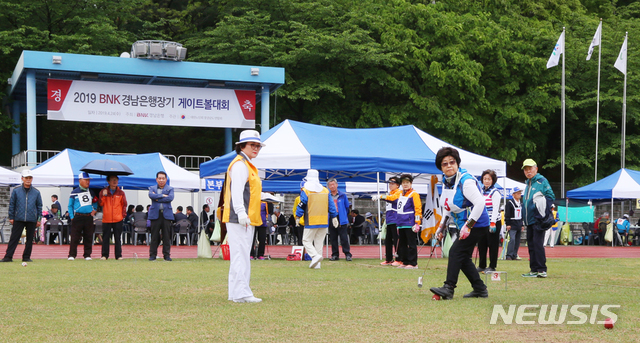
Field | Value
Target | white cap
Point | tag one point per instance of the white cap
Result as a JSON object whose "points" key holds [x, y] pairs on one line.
{"points": [[250, 136], [83, 175], [312, 182], [368, 214], [26, 173]]}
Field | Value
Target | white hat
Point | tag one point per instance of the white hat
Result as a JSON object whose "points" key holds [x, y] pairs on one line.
{"points": [[626, 215], [250, 136], [26, 173], [83, 175], [368, 214], [312, 182]]}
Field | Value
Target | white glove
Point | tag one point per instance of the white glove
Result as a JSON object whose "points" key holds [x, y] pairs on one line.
{"points": [[335, 222], [243, 219], [416, 228], [297, 221], [464, 232], [378, 197], [440, 232]]}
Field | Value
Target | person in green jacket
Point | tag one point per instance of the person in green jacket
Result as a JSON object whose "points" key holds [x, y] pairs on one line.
{"points": [[536, 196]]}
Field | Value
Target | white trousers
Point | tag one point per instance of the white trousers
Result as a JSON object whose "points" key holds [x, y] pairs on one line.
{"points": [[313, 241], [240, 240], [550, 234]]}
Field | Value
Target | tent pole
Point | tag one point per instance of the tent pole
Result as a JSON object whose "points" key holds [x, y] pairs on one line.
{"points": [[379, 216], [611, 218]]}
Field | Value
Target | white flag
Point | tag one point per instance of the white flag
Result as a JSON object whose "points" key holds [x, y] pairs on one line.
{"points": [[621, 62], [595, 41], [557, 51]]}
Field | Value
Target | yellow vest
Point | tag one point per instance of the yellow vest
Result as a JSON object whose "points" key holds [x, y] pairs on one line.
{"points": [[317, 212], [255, 193], [295, 206]]}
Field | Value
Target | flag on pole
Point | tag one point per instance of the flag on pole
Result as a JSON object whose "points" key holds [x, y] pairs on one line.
{"points": [[595, 41], [621, 62], [432, 212], [557, 51]]}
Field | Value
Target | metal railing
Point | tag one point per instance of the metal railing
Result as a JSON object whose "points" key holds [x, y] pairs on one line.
{"points": [[192, 162], [171, 158], [31, 158]]}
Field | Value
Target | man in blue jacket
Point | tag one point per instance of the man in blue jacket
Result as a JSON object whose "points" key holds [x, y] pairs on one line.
{"points": [[535, 202], [342, 206], [25, 212], [160, 214], [83, 205]]}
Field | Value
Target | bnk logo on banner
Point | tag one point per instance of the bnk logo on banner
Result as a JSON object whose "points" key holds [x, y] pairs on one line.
{"points": [[106, 102]]}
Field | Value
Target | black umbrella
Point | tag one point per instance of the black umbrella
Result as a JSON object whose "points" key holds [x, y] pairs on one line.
{"points": [[106, 167]]}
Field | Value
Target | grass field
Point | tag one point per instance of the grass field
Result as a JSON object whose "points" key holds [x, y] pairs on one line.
{"points": [[186, 301]]}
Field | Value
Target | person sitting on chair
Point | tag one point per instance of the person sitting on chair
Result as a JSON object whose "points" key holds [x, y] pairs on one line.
{"points": [[623, 226]]}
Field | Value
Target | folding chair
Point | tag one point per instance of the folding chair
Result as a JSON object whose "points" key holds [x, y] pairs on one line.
{"points": [[140, 228], [53, 225], [184, 227], [98, 230]]}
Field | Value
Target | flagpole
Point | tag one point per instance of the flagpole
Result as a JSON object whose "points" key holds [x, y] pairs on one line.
{"points": [[563, 113], [624, 104], [598, 99]]}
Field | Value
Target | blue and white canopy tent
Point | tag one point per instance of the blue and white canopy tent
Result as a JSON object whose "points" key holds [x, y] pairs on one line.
{"points": [[63, 169], [621, 185], [350, 155]]}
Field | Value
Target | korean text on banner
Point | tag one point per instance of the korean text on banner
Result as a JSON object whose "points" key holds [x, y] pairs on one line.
{"points": [[105, 102]]}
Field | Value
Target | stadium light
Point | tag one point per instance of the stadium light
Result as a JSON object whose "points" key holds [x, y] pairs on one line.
{"points": [[159, 50]]}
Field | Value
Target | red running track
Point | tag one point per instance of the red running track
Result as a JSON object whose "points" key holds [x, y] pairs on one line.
{"points": [[41, 251]]}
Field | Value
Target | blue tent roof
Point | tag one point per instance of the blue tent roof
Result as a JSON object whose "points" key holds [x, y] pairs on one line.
{"points": [[354, 154], [623, 184]]}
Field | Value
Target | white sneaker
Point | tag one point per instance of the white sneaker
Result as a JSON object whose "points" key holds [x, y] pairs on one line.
{"points": [[317, 266], [315, 261], [87, 258], [250, 299], [71, 259]]}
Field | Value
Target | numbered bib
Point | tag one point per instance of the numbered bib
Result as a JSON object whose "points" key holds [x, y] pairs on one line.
{"points": [[620, 221], [84, 198], [517, 214]]}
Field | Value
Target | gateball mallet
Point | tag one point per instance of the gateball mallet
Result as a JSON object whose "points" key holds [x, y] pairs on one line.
{"points": [[427, 266], [430, 255]]}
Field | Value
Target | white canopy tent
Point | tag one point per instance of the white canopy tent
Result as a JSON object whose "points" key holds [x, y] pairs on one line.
{"points": [[8, 177]]}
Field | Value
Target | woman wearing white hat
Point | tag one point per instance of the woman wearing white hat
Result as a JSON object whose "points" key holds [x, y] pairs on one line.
{"points": [[241, 195]]}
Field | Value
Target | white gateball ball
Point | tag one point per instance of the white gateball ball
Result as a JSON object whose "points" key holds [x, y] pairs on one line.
{"points": [[24, 264]]}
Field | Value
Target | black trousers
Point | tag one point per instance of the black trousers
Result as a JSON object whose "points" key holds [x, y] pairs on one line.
{"points": [[261, 233], [16, 234], [460, 259], [342, 232], [116, 230], [492, 243], [390, 241], [160, 226], [407, 246], [81, 227], [299, 231], [535, 242]]}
